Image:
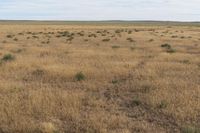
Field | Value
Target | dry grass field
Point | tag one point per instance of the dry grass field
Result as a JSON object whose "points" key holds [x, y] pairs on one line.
{"points": [[99, 78]]}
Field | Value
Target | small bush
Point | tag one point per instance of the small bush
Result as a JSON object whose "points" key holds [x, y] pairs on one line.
{"points": [[58, 36], [118, 31], [114, 81], [36, 37], [136, 102], [151, 40], [171, 50], [38, 72], [70, 38], [15, 39], [136, 30], [20, 34], [166, 45], [174, 36], [182, 37], [129, 32], [106, 40], [115, 47], [132, 48], [9, 36], [80, 76], [185, 61], [8, 57], [130, 40], [92, 35], [163, 104]]}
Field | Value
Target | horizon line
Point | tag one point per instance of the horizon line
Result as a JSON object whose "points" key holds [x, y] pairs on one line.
{"points": [[106, 20]]}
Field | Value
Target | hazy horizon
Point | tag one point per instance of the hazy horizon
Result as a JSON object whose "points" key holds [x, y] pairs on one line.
{"points": [[93, 10]]}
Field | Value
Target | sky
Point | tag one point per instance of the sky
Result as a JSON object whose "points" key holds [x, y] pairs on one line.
{"points": [[165, 10]]}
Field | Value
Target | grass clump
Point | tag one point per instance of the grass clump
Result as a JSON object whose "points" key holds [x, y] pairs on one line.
{"points": [[106, 40], [168, 48], [185, 61], [171, 50], [9, 36], [118, 31], [189, 129], [115, 46], [136, 102], [80, 76], [130, 39], [182, 37], [39, 72], [174, 36], [4, 41], [129, 32], [8, 57], [151, 40], [163, 104], [166, 45], [15, 39], [115, 81], [132, 48], [17, 50]]}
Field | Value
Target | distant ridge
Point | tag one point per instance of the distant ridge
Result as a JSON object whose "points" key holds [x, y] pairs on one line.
{"points": [[127, 22]]}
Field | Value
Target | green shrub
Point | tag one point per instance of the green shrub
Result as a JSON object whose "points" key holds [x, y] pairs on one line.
{"points": [[8, 57], [168, 48], [166, 45], [136, 102], [163, 104], [114, 81], [80, 76]]}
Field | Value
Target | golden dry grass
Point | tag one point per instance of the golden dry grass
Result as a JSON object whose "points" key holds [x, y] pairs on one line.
{"points": [[129, 82]]}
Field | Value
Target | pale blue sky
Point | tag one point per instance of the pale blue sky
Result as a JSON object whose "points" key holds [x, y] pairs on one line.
{"points": [[176, 10]]}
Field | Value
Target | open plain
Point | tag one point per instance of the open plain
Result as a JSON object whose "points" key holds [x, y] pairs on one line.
{"points": [[99, 78]]}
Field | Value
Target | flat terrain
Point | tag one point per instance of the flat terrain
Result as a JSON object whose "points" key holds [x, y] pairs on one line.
{"points": [[108, 78]]}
